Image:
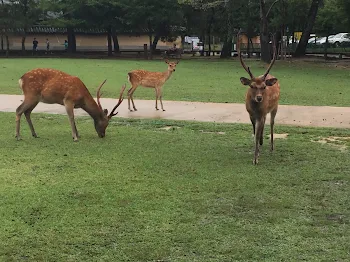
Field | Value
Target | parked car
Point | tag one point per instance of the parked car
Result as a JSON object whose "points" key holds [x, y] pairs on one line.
{"points": [[312, 40], [322, 40], [340, 39]]}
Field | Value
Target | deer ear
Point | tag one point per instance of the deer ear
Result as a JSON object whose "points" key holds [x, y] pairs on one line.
{"points": [[245, 81], [271, 81], [105, 111]]}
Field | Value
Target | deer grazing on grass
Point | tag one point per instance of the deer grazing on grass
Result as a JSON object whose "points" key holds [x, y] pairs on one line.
{"points": [[261, 98], [52, 86], [149, 79]]}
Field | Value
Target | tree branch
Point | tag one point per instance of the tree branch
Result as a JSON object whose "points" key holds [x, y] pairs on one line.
{"points": [[268, 12]]}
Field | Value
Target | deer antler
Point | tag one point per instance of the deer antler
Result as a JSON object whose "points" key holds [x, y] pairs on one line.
{"points": [[119, 102], [98, 95], [240, 57], [274, 57]]}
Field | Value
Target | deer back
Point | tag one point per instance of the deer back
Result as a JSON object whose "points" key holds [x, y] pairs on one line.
{"points": [[147, 78], [54, 87]]}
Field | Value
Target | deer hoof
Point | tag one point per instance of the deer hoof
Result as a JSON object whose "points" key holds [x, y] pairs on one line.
{"points": [[163, 110], [18, 138], [157, 109], [135, 109], [255, 161], [35, 136], [75, 139]]}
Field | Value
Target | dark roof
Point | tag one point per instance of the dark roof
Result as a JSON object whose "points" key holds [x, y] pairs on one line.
{"points": [[61, 30]]}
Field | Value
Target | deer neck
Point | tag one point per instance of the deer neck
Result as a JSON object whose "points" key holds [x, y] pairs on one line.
{"points": [[92, 108], [255, 108], [168, 74]]}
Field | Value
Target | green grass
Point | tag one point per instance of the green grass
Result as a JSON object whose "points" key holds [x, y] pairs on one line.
{"points": [[196, 80], [146, 194]]}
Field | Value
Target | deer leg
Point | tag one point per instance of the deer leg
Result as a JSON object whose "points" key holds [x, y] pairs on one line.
{"points": [[160, 99], [261, 141], [157, 96], [19, 111], [130, 97], [272, 122], [29, 120], [132, 100], [70, 112], [252, 119], [257, 139]]}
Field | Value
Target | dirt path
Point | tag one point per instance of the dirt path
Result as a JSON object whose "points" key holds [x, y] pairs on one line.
{"points": [[319, 116]]}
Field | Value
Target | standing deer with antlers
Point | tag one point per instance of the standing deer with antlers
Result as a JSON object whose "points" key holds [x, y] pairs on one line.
{"points": [[52, 86], [149, 79], [261, 98]]}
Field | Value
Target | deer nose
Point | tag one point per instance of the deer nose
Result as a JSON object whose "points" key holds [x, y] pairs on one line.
{"points": [[259, 98]]}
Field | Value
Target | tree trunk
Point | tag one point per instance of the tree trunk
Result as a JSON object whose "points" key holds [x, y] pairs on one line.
{"points": [[209, 45], [226, 50], [210, 24], [150, 46], [109, 40], [278, 43], [264, 34], [326, 48], [301, 48], [155, 42], [252, 45], [23, 44], [182, 41], [115, 42], [72, 45], [7, 45], [248, 47], [203, 43]]}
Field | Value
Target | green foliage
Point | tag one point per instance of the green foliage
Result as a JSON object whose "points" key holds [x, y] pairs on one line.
{"points": [[156, 16], [104, 13], [346, 8], [19, 13], [290, 13], [187, 194], [64, 13], [332, 18]]}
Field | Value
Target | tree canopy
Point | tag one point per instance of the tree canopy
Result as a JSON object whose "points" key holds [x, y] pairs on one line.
{"points": [[221, 19]]}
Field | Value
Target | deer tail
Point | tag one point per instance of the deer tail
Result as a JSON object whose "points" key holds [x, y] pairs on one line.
{"points": [[20, 82], [129, 77]]}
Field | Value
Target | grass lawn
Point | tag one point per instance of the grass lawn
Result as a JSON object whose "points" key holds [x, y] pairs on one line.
{"points": [[196, 80], [187, 194]]}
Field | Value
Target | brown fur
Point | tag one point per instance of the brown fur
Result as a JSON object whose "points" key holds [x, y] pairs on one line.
{"points": [[56, 87], [149, 79], [261, 98], [258, 110]]}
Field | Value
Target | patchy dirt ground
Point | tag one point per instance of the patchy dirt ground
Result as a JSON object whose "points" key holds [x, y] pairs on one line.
{"points": [[335, 142]]}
